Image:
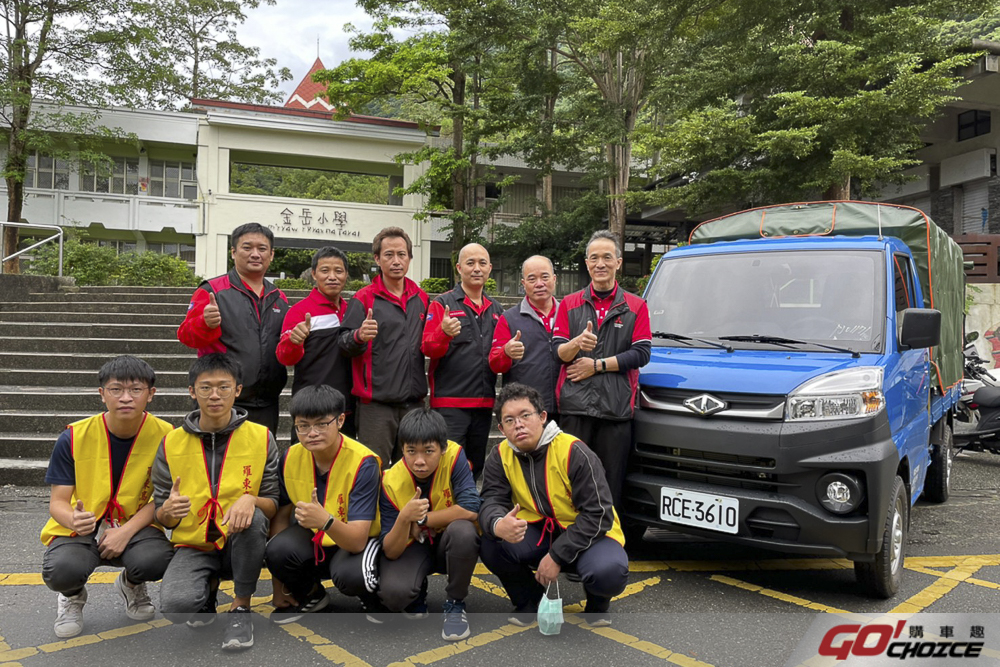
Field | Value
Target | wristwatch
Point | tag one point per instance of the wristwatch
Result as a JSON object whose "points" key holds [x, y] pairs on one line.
{"points": [[422, 522]]}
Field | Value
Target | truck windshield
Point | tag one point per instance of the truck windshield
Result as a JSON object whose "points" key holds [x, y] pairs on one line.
{"points": [[815, 295]]}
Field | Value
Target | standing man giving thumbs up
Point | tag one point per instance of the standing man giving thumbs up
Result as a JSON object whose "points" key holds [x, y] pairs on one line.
{"points": [[240, 315], [310, 337], [603, 338]]}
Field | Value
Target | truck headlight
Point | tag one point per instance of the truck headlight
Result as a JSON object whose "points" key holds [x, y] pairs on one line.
{"points": [[839, 492], [848, 394]]}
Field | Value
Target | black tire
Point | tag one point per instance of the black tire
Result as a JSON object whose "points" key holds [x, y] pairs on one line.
{"points": [[937, 487], [881, 578]]}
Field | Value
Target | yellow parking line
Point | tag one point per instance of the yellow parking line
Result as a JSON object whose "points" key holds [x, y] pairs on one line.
{"points": [[489, 587], [17, 654], [944, 584], [646, 647], [449, 650], [324, 646], [983, 583], [777, 595]]}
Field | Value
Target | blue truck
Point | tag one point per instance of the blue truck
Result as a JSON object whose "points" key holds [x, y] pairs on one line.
{"points": [[807, 360]]}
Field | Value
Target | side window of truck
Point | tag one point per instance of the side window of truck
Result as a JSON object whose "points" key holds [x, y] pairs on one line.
{"points": [[903, 283]]}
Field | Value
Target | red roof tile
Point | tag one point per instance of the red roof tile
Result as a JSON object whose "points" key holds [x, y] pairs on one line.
{"points": [[305, 93]]}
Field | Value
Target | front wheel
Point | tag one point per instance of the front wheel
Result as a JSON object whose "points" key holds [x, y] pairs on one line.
{"points": [[881, 578], [937, 488]]}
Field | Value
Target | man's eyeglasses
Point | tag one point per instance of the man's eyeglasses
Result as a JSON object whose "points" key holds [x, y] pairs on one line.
{"points": [[135, 392], [523, 418], [205, 390], [321, 427]]}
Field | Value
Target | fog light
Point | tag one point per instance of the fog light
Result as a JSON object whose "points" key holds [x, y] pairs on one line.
{"points": [[839, 492]]}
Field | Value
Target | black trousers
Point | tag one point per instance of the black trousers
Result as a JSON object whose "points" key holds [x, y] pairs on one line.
{"points": [[454, 552], [291, 559], [470, 427], [603, 568], [611, 441], [265, 416], [69, 561]]}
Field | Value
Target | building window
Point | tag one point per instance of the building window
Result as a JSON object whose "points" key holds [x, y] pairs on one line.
{"points": [[121, 177], [119, 246], [172, 178], [45, 171], [441, 267], [183, 250], [973, 123]]}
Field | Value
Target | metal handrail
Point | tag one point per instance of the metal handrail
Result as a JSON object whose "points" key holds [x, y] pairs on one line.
{"points": [[57, 235]]}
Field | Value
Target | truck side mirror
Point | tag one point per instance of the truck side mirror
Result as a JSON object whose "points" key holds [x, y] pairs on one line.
{"points": [[921, 327]]}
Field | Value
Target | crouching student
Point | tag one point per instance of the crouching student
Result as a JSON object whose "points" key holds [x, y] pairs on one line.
{"points": [[215, 485], [428, 506], [328, 520], [562, 519], [99, 503]]}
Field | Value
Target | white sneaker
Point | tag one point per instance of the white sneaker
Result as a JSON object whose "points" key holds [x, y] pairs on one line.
{"points": [[69, 620], [138, 606]]}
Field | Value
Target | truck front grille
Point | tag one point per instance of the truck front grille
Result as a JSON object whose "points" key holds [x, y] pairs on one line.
{"points": [[744, 472]]}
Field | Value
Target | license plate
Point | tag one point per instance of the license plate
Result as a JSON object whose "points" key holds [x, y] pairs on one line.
{"points": [[700, 509]]}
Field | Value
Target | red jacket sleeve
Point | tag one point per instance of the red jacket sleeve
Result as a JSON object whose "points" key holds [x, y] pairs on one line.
{"points": [[288, 353], [561, 328], [435, 342], [642, 330], [499, 361], [193, 331]]}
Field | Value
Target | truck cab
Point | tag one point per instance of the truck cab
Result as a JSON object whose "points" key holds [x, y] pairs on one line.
{"points": [[790, 401]]}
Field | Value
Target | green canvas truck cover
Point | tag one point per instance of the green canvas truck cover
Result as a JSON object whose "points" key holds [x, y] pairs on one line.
{"points": [[938, 258]]}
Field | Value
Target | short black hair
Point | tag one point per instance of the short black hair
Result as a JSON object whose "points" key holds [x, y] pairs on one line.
{"points": [[516, 391], [391, 233], [422, 426], [215, 361], [126, 368], [317, 401], [251, 228], [328, 251]]}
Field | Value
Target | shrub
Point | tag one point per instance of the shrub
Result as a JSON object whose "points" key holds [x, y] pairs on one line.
{"points": [[491, 286], [89, 263], [354, 285], [291, 283], [152, 269], [435, 285]]}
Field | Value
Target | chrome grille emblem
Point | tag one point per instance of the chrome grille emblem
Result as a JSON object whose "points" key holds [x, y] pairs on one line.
{"points": [[704, 405]]}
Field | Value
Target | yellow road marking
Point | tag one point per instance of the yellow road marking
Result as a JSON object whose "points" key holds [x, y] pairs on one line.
{"points": [[4, 646], [777, 595], [639, 644], [944, 584], [489, 587], [17, 654], [320, 644], [449, 650], [982, 582]]}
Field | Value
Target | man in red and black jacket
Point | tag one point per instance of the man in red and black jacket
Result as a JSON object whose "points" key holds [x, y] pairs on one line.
{"points": [[310, 336], [457, 338], [382, 331], [602, 336], [240, 314]]}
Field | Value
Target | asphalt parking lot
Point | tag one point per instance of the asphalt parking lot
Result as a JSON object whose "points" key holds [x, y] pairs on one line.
{"points": [[687, 603]]}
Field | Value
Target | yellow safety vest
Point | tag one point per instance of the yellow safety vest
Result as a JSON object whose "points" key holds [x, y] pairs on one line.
{"points": [[91, 447], [242, 470], [300, 480], [400, 484], [557, 486]]}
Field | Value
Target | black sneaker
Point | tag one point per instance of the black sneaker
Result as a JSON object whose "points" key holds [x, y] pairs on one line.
{"points": [[417, 609], [523, 615], [596, 614], [374, 610], [316, 601], [207, 614], [239, 633]]}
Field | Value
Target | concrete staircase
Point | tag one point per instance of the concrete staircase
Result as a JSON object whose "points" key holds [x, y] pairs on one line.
{"points": [[53, 343]]}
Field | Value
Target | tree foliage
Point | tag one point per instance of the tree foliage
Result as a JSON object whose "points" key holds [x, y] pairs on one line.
{"points": [[308, 184], [93, 264]]}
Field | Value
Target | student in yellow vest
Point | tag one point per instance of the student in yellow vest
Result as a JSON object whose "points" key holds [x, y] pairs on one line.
{"points": [[328, 523], [215, 485], [99, 503], [547, 506], [428, 506]]}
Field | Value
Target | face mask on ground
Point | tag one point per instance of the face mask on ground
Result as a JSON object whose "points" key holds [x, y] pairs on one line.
{"points": [[550, 612]]}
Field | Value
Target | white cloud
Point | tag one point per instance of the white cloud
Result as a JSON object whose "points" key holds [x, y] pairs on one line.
{"points": [[287, 31]]}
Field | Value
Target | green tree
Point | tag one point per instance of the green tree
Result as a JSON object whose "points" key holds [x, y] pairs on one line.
{"points": [[786, 101]]}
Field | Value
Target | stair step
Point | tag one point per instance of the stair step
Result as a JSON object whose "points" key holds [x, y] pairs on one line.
{"points": [[111, 346], [166, 399], [90, 318], [96, 306], [82, 330], [87, 362], [23, 472], [79, 378]]}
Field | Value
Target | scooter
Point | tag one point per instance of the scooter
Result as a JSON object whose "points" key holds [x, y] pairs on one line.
{"points": [[979, 404]]}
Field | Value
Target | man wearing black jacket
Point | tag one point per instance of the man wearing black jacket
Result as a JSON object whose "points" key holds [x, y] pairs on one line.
{"points": [[546, 505]]}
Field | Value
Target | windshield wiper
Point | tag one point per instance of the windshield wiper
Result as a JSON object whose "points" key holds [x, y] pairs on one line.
{"points": [[778, 340], [682, 338]]}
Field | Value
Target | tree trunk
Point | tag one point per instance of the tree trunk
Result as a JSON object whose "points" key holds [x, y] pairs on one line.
{"points": [[459, 179], [839, 191]]}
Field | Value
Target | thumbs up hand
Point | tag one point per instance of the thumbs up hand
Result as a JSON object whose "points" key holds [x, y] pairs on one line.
{"points": [[84, 522], [176, 506], [587, 340], [369, 328], [510, 528], [211, 314], [452, 326], [301, 331], [415, 509], [311, 515], [514, 347]]}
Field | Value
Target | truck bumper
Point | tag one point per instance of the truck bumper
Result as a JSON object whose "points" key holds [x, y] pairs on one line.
{"points": [[773, 468]]}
